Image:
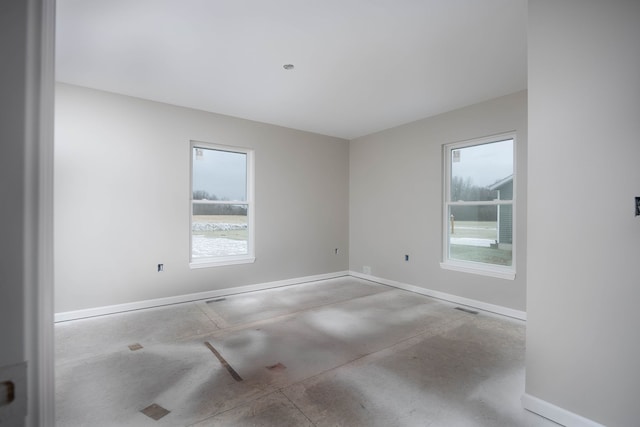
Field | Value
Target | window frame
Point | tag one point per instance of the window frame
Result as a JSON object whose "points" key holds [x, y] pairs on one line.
{"points": [[475, 267], [218, 261]]}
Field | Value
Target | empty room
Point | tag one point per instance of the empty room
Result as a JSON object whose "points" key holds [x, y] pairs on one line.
{"points": [[297, 213]]}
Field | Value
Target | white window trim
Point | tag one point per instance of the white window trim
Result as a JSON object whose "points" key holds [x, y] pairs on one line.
{"points": [[250, 202], [484, 269]]}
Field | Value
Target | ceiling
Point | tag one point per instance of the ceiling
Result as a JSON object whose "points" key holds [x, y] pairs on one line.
{"points": [[360, 65]]}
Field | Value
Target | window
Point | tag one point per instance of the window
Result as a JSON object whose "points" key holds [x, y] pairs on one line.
{"points": [[221, 205], [479, 206]]}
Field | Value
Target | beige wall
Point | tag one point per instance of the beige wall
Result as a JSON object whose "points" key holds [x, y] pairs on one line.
{"points": [[583, 344], [396, 200], [122, 200]]}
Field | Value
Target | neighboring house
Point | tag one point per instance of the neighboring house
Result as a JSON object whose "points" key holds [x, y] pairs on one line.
{"points": [[504, 187]]}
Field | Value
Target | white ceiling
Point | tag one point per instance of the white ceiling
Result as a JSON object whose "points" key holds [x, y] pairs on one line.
{"points": [[360, 65]]}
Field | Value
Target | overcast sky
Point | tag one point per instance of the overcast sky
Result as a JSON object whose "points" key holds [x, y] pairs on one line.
{"points": [[223, 173], [485, 164], [220, 173]]}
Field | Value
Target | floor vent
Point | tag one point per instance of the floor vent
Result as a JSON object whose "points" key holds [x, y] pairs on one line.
{"points": [[466, 310], [216, 300]]}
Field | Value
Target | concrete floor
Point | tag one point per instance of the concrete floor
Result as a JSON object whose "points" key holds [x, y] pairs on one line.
{"points": [[340, 352]]}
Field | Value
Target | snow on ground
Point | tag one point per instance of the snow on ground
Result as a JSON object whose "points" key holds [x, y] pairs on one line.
{"points": [[217, 226], [220, 246], [470, 241], [204, 247]]}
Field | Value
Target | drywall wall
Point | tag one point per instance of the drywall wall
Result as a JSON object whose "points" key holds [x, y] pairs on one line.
{"points": [[583, 344], [122, 200], [396, 201], [26, 329], [13, 24]]}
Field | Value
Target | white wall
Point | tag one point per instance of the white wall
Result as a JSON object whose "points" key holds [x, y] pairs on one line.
{"points": [[122, 200], [396, 200], [583, 344]]}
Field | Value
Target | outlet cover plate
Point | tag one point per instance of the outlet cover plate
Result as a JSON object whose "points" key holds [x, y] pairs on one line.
{"points": [[13, 413]]}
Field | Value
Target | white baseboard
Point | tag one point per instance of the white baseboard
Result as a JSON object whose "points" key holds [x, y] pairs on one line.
{"points": [[138, 305], [555, 413], [505, 311]]}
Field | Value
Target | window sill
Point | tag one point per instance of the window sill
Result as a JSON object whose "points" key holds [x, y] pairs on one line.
{"points": [[481, 269], [220, 262]]}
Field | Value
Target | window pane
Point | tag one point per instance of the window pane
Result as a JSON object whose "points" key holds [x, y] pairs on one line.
{"points": [[482, 172], [219, 175], [481, 234], [219, 230]]}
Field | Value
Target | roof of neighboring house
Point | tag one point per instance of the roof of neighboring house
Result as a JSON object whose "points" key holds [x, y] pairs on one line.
{"points": [[501, 183]]}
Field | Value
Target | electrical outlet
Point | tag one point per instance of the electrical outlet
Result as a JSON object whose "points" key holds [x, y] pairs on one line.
{"points": [[160, 268], [7, 392], [13, 394], [366, 269]]}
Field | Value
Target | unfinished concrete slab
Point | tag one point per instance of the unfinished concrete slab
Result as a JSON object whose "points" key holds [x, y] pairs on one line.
{"points": [[255, 306], [470, 375], [103, 334], [274, 409], [351, 353]]}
